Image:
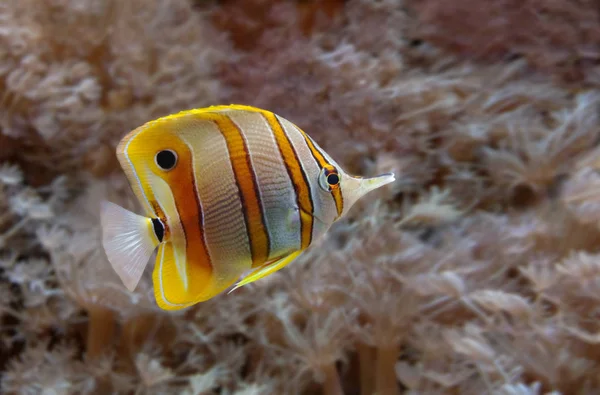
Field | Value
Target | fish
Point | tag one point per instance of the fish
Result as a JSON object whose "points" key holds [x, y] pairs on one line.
{"points": [[230, 194]]}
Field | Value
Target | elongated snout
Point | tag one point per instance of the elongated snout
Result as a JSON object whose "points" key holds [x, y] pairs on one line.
{"points": [[355, 188]]}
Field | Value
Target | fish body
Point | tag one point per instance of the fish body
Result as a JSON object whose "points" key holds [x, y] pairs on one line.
{"points": [[225, 190]]}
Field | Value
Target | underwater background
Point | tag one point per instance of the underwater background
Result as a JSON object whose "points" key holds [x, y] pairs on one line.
{"points": [[476, 272]]}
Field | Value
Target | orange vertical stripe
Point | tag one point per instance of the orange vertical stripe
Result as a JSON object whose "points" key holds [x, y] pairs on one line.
{"points": [[337, 193], [297, 175], [247, 185], [183, 188], [188, 211]]}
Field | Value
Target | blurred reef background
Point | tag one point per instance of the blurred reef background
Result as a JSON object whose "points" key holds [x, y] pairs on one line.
{"points": [[476, 272]]}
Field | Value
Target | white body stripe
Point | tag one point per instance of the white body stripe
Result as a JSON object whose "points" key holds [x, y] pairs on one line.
{"points": [[333, 163], [224, 226], [277, 195], [325, 154], [323, 202], [166, 201]]}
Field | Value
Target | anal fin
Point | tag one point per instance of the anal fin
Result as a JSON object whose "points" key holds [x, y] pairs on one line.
{"points": [[267, 269], [170, 290]]}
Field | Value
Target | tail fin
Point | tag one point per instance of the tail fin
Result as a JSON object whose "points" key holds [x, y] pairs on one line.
{"points": [[128, 240]]}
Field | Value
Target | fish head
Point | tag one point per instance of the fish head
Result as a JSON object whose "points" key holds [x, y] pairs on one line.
{"points": [[157, 162], [355, 187], [339, 191]]}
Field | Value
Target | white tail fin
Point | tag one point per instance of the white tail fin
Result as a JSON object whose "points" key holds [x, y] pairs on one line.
{"points": [[128, 241]]}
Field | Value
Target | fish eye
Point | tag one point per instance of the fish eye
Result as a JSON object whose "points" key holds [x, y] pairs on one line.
{"points": [[333, 179], [166, 159], [329, 178]]}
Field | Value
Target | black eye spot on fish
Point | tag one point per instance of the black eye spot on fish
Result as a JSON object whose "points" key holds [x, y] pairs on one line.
{"points": [[166, 159], [159, 229], [329, 178], [333, 179]]}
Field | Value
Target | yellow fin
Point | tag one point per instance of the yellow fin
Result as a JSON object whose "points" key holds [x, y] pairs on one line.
{"points": [[169, 291], [264, 271]]}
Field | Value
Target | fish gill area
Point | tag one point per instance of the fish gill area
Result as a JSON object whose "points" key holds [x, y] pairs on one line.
{"points": [[476, 272]]}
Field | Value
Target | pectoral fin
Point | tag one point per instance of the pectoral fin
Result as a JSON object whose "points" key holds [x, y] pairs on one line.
{"points": [[128, 240], [266, 269]]}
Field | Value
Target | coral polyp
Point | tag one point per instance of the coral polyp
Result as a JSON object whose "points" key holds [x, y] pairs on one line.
{"points": [[475, 272]]}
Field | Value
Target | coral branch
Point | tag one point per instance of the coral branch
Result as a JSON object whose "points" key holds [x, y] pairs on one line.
{"points": [[332, 384], [366, 359], [385, 371], [101, 328]]}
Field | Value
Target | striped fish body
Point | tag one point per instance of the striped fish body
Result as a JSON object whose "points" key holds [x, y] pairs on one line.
{"points": [[225, 190]]}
